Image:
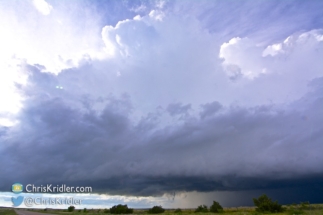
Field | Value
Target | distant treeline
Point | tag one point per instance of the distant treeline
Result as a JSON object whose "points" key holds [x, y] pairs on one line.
{"points": [[263, 204]]}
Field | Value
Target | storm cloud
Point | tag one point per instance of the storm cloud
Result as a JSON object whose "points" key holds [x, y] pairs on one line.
{"points": [[228, 148], [160, 103]]}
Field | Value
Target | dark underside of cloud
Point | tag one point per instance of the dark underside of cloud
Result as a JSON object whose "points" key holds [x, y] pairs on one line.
{"points": [[93, 141], [155, 186]]}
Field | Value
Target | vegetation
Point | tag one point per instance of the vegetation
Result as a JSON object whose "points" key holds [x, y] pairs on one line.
{"points": [[121, 209], [303, 208], [70, 208], [156, 210], [6, 211], [201, 208], [295, 209], [265, 204], [216, 207], [305, 205], [178, 210]]}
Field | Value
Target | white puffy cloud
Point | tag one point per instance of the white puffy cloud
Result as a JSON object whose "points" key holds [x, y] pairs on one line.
{"points": [[157, 15], [42, 6], [163, 55], [273, 50], [305, 44], [252, 60], [242, 57], [284, 67]]}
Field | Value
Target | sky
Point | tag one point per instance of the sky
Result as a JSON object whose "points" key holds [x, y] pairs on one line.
{"points": [[174, 103]]}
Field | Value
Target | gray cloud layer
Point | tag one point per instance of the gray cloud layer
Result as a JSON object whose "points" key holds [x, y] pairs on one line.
{"points": [[222, 148]]}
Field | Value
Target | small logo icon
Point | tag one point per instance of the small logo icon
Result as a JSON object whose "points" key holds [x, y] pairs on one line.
{"points": [[17, 188], [17, 201]]}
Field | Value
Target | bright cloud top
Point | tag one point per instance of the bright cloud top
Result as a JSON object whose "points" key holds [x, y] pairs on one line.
{"points": [[242, 57], [42, 6]]}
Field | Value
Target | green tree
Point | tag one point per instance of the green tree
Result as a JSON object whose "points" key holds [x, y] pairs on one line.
{"points": [[265, 204], [216, 207], [156, 210], [70, 208], [178, 210], [201, 208], [121, 209]]}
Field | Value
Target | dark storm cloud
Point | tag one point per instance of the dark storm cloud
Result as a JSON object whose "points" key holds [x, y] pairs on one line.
{"points": [[62, 138]]}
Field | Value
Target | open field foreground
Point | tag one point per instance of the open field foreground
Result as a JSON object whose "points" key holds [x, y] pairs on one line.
{"points": [[316, 209]]}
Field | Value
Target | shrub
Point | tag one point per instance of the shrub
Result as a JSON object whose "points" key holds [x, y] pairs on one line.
{"points": [[305, 205], [70, 208], [121, 209], [265, 204], [84, 210], [216, 207], [295, 212], [156, 210], [178, 210], [106, 211], [201, 208]]}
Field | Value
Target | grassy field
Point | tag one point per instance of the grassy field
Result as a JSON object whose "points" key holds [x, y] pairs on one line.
{"points": [[316, 209], [7, 211]]}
